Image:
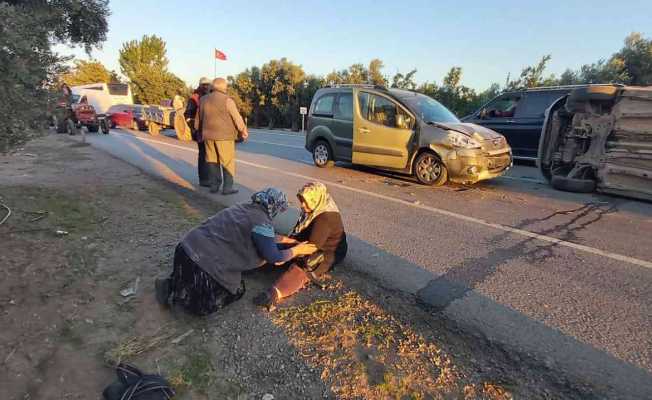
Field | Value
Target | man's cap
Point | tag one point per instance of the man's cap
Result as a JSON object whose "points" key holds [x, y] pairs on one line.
{"points": [[205, 81]]}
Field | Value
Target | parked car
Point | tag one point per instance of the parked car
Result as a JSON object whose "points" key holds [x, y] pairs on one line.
{"points": [[139, 122], [401, 131], [600, 137], [121, 115], [518, 115]]}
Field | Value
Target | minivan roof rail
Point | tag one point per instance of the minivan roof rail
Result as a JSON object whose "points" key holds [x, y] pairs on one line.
{"points": [[360, 85], [561, 87]]}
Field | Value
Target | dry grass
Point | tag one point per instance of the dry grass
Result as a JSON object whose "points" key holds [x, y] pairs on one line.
{"points": [[364, 352], [136, 345]]}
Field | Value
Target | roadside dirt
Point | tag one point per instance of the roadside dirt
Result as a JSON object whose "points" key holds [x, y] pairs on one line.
{"points": [[85, 226]]}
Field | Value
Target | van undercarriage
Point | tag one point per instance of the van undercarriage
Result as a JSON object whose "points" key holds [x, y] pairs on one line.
{"points": [[600, 138]]}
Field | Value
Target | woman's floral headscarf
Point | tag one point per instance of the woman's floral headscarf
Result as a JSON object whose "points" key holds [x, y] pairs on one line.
{"points": [[273, 200]]}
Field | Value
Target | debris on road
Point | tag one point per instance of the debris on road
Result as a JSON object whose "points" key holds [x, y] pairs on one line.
{"points": [[8, 213], [131, 290], [180, 338]]}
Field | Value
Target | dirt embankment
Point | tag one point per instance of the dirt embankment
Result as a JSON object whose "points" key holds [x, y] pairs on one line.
{"points": [[85, 227]]}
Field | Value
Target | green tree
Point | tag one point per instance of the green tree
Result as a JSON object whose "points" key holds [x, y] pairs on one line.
{"points": [[406, 81], [357, 74], [145, 64], [279, 84], [375, 73], [242, 89], [28, 66], [458, 98], [633, 63], [569, 77], [85, 72], [533, 76]]}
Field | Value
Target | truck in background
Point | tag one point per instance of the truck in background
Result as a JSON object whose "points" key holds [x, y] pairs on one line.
{"points": [[102, 97]]}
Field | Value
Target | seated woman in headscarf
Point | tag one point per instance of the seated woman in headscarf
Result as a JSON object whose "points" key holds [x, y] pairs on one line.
{"points": [[210, 259], [320, 224]]}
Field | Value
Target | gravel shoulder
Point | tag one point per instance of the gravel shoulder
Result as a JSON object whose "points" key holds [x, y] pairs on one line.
{"points": [[86, 226]]}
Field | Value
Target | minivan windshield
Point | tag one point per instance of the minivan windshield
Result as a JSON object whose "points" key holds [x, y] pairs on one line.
{"points": [[429, 109]]}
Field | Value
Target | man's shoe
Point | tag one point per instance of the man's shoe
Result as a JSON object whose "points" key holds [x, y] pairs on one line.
{"points": [[227, 192], [267, 299], [162, 289]]}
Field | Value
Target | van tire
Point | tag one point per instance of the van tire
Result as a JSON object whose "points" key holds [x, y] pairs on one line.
{"points": [[573, 185], [322, 155], [430, 170]]}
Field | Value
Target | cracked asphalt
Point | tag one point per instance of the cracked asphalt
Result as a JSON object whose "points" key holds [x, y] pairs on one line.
{"points": [[562, 279]]}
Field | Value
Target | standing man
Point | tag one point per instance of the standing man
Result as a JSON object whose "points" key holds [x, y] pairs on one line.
{"points": [[220, 124], [192, 118]]}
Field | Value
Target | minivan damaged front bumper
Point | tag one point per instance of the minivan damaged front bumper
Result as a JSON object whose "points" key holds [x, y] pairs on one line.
{"points": [[468, 166]]}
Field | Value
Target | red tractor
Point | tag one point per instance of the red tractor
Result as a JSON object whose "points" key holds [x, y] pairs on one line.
{"points": [[73, 112]]}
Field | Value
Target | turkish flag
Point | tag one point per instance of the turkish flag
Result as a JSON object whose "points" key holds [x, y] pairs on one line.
{"points": [[219, 55]]}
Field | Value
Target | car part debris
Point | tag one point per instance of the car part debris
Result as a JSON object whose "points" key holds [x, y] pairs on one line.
{"points": [[131, 290]]}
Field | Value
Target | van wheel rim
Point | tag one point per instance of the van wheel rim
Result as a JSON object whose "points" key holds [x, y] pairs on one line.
{"points": [[321, 154], [429, 169]]}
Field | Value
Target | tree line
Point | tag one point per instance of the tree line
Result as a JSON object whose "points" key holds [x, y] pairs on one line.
{"points": [[268, 95], [271, 95]]}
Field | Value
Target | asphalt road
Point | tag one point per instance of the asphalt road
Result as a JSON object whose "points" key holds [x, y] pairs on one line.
{"points": [[560, 279]]}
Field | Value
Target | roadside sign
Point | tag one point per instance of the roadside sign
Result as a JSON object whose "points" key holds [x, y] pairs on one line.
{"points": [[303, 110]]}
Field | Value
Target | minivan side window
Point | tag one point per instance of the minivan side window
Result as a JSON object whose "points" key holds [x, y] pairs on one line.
{"points": [[381, 110], [378, 109], [324, 106], [344, 108]]}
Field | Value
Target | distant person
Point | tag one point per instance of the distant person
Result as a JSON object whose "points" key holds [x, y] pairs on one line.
{"points": [[192, 118], [319, 224], [210, 259], [220, 125]]}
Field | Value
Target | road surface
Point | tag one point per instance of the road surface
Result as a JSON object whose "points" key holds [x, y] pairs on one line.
{"points": [[560, 279]]}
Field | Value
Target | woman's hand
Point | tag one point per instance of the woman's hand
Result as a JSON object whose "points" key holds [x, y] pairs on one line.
{"points": [[285, 240], [303, 249]]}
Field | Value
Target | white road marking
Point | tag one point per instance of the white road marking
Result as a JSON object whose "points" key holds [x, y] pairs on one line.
{"points": [[478, 221]]}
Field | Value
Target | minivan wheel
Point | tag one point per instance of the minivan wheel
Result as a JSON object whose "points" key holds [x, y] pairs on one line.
{"points": [[430, 170], [322, 155]]}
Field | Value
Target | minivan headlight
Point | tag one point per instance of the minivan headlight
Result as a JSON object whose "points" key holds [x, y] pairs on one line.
{"points": [[458, 139]]}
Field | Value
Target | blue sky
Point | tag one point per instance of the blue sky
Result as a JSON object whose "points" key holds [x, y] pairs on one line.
{"points": [[487, 39]]}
